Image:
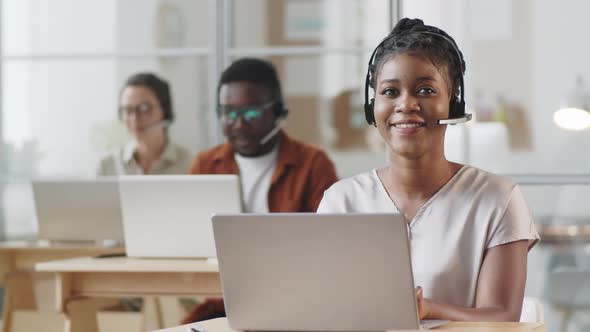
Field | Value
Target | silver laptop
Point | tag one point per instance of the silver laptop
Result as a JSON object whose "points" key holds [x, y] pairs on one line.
{"points": [[316, 272], [170, 215], [78, 210]]}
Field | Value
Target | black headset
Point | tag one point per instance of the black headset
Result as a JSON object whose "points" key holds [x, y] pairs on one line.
{"points": [[456, 105], [280, 110]]}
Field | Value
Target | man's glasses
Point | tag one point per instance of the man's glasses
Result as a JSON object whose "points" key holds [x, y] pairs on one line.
{"points": [[142, 109], [248, 114]]}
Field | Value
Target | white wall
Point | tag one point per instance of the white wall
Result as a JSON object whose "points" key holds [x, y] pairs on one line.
{"points": [[249, 30], [561, 52], [15, 124], [55, 103]]}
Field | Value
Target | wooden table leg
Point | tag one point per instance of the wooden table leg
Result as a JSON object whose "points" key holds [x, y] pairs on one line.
{"points": [[18, 295], [63, 287]]}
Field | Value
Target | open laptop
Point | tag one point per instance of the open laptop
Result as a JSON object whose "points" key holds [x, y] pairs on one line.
{"points": [[316, 272], [78, 210], [170, 215]]}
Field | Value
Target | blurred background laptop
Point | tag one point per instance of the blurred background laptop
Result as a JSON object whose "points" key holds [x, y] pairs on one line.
{"points": [[78, 210], [170, 215]]}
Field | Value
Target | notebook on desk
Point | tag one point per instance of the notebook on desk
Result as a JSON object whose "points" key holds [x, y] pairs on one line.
{"points": [[78, 210], [170, 215], [316, 272]]}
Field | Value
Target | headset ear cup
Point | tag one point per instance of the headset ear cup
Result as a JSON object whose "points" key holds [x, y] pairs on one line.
{"points": [[280, 110], [461, 107], [369, 112], [453, 107], [456, 108], [284, 112]]}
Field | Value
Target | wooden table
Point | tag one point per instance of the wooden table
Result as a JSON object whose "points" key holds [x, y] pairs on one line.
{"points": [[131, 277], [220, 325], [17, 258], [21, 255]]}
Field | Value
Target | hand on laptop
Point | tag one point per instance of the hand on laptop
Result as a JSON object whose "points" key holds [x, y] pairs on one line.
{"points": [[423, 309]]}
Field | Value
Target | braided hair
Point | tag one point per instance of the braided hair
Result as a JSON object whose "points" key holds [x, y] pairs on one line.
{"points": [[413, 36]]}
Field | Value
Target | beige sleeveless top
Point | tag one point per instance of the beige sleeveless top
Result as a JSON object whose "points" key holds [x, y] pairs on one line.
{"points": [[474, 211], [175, 159]]}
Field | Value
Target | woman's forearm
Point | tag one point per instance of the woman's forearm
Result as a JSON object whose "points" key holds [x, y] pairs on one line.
{"points": [[438, 310], [500, 288]]}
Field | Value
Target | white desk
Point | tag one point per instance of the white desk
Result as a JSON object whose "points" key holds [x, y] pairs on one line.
{"points": [[220, 325], [132, 277]]}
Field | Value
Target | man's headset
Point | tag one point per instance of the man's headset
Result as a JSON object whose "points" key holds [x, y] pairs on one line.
{"points": [[280, 112], [456, 106]]}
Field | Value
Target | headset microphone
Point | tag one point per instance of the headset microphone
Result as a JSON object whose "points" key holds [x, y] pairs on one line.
{"points": [[272, 133], [157, 125], [454, 121]]}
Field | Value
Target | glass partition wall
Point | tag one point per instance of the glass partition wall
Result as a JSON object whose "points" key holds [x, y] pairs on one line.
{"points": [[62, 64]]}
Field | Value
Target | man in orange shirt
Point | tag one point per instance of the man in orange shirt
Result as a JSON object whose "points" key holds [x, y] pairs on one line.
{"points": [[277, 173]]}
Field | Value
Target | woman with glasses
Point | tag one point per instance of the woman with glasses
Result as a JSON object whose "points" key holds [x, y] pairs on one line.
{"points": [[146, 110]]}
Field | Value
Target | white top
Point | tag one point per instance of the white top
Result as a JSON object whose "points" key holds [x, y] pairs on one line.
{"points": [[255, 176], [472, 212], [175, 159]]}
